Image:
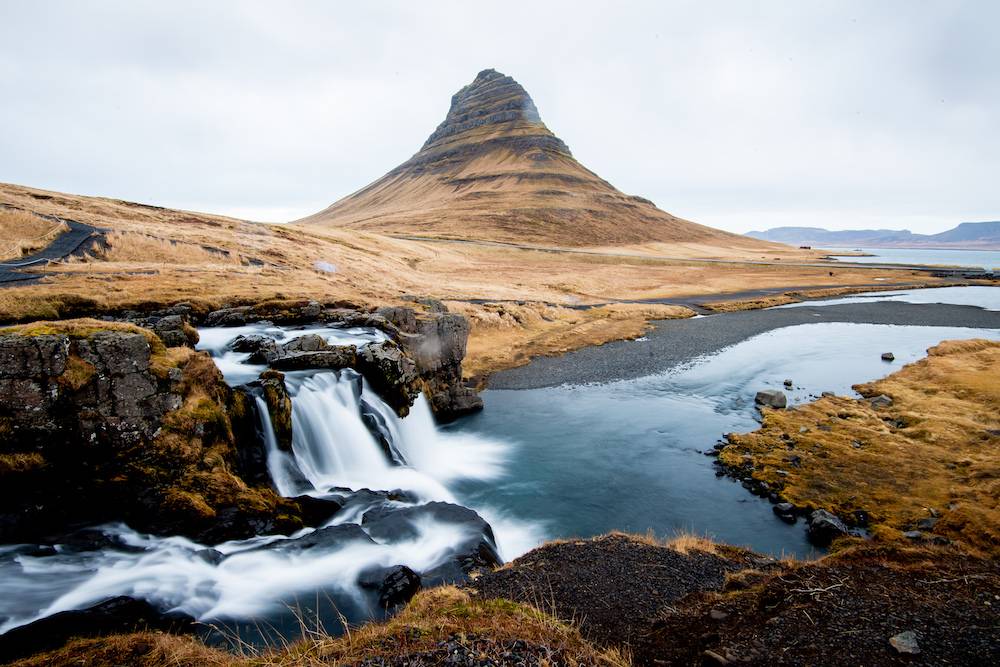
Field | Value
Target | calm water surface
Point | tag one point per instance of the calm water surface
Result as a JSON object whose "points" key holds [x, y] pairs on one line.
{"points": [[629, 455], [980, 259]]}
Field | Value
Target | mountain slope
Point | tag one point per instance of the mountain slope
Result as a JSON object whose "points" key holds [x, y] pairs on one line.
{"points": [[980, 235], [493, 171]]}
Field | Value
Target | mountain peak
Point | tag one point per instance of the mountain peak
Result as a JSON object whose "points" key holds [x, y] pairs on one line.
{"points": [[493, 171], [494, 101]]}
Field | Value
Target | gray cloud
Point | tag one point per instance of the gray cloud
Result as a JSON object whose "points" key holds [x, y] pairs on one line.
{"points": [[742, 115]]}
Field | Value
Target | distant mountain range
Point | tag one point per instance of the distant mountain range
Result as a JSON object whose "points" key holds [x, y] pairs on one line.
{"points": [[971, 235]]}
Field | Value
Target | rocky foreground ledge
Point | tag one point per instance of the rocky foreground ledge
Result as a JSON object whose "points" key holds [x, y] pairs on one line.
{"points": [[621, 599]]}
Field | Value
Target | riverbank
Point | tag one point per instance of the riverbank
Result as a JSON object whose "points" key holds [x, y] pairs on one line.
{"points": [[675, 342]]}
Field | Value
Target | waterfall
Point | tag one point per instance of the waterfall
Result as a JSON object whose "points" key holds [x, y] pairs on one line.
{"points": [[345, 438]]}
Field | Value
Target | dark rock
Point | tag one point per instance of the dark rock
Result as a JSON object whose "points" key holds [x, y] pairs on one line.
{"points": [[316, 511], [880, 401], [332, 357], [279, 406], [478, 551], [888, 356], [210, 556], [927, 524], [785, 512], [233, 523], [230, 317], [251, 454], [788, 384], [262, 349], [824, 527], [772, 398], [395, 585], [391, 373], [174, 331], [914, 535], [330, 538], [114, 616]]}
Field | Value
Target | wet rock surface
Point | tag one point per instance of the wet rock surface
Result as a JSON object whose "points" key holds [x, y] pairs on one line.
{"points": [[394, 585], [116, 615], [476, 552]]}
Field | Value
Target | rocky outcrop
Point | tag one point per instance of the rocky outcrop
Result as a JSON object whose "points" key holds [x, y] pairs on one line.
{"points": [[104, 412], [114, 616], [279, 406], [430, 344], [437, 343]]}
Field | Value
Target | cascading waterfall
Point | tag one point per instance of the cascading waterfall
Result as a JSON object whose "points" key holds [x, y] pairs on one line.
{"points": [[344, 438]]}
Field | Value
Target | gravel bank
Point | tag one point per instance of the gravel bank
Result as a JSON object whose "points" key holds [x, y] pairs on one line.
{"points": [[674, 342]]}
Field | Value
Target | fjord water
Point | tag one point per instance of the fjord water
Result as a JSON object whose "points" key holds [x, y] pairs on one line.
{"points": [[629, 455], [977, 259]]}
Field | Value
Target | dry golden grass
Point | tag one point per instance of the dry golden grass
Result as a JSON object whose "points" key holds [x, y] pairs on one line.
{"points": [[934, 451], [145, 269], [132, 247], [144, 649], [431, 617], [22, 232], [508, 335]]}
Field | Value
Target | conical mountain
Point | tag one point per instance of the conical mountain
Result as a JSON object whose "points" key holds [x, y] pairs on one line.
{"points": [[493, 171]]}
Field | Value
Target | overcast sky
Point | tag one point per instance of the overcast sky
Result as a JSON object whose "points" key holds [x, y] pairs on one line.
{"points": [[742, 115]]}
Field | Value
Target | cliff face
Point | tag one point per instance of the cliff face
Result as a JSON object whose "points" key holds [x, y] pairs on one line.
{"points": [[493, 171], [101, 422]]}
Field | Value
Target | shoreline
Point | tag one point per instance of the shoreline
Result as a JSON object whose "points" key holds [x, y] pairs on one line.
{"points": [[673, 342]]}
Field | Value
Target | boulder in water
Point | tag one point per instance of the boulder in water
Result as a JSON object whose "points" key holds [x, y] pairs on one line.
{"points": [[395, 585], [477, 551], [316, 511], [279, 406], [334, 357], [772, 398], [330, 538], [888, 356], [824, 527]]}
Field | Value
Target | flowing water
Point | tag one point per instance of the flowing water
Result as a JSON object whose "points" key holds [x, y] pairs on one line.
{"points": [[242, 583], [537, 464]]}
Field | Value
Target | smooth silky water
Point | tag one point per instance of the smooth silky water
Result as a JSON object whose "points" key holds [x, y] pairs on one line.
{"points": [[536, 464]]}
